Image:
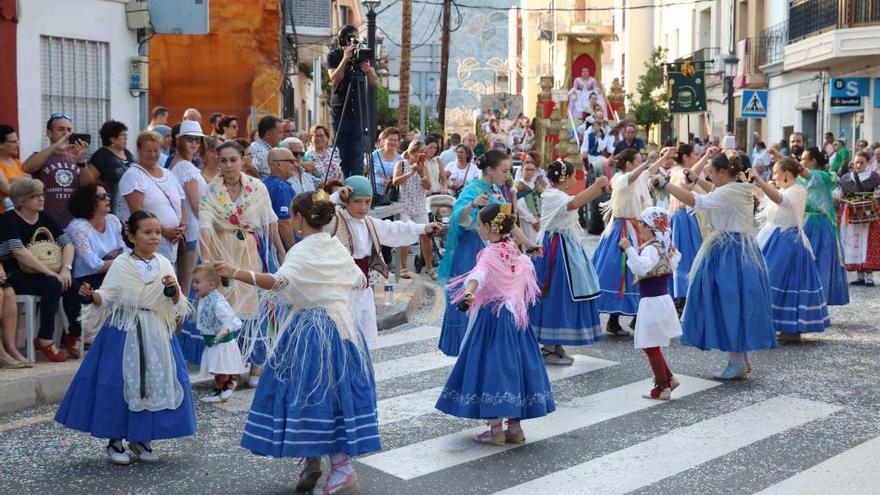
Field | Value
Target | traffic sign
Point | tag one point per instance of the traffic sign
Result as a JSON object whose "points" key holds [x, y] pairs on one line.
{"points": [[754, 103], [850, 87]]}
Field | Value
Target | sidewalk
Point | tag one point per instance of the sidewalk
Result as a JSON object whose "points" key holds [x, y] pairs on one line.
{"points": [[47, 382]]}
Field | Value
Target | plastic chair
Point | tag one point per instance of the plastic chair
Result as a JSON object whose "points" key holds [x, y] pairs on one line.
{"points": [[29, 310]]}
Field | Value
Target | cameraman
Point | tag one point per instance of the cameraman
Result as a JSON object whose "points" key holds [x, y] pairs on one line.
{"points": [[348, 128]]}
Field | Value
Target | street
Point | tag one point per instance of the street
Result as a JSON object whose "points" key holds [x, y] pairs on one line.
{"points": [[806, 421]]}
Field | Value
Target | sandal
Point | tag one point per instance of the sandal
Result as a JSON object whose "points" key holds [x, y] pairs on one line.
{"points": [[405, 274]]}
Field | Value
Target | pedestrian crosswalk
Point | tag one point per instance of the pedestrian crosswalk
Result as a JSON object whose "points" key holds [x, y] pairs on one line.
{"points": [[409, 392]]}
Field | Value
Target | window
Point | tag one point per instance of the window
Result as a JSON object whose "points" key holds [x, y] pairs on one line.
{"points": [[344, 15], [75, 80]]}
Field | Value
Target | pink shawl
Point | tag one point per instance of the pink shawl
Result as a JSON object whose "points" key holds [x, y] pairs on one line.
{"points": [[508, 277]]}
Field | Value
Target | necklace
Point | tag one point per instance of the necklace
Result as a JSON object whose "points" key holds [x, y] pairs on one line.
{"points": [[149, 263]]}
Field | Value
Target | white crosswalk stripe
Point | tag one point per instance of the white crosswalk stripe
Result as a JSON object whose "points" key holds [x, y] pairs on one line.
{"points": [[687, 447], [853, 472], [682, 449], [422, 402], [458, 448], [407, 336]]}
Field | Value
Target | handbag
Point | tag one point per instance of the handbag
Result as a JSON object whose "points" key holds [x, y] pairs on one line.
{"points": [[48, 252], [392, 192]]}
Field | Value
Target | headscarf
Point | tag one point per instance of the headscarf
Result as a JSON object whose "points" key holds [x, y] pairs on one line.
{"points": [[657, 220], [360, 186]]}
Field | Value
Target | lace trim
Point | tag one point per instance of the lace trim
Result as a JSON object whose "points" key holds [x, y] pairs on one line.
{"points": [[497, 398]]}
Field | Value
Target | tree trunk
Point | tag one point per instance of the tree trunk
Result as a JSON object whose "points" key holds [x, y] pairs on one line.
{"points": [[405, 55]]}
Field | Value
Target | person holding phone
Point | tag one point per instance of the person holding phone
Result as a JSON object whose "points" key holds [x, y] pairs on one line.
{"points": [[58, 166], [411, 176]]}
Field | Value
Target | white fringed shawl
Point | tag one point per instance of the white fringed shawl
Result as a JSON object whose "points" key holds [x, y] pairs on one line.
{"points": [[128, 303]]}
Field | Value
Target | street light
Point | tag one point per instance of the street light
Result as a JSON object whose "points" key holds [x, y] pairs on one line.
{"points": [[371, 6], [731, 64]]}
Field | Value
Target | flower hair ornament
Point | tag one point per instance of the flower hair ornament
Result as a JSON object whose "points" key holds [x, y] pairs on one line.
{"points": [[658, 221], [497, 223]]}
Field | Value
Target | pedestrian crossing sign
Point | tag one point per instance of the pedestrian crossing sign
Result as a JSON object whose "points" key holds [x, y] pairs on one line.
{"points": [[754, 104]]}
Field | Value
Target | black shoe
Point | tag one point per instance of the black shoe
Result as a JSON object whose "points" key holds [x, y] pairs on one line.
{"points": [[859, 281], [869, 283]]}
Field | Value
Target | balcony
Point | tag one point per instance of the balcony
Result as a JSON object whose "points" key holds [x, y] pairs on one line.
{"points": [[837, 34], [771, 44], [748, 72], [705, 54]]}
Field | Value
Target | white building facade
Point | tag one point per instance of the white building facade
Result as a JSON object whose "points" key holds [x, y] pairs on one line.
{"points": [[73, 58]]}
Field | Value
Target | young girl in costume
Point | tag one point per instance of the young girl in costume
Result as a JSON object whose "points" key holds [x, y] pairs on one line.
{"points": [[499, 373], [821, 226], [218, 325], [528, 198], [798, 300], [686, 235], [629, 196], [729, 295], [653, 264], [861, 241], [363, 236], [566, 313], [133, 384], [316, 396], [463, 242]]}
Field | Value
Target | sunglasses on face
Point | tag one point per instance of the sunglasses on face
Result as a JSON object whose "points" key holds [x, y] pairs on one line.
{"points": [[284, 160], [102, 197], [298, 154]]}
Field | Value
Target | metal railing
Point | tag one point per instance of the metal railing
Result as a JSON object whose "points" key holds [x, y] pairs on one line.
{"points": [[810, 17], [771, 44], [705, 54]]}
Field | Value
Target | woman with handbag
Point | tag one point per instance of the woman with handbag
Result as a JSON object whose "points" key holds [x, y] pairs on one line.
{"points": [[463, 170], [38, 262], [384, 161]]}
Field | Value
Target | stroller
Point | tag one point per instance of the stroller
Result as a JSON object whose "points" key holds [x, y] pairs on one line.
{"points": [[439, 210]]}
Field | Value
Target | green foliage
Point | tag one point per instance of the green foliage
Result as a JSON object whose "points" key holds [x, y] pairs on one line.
{"points": [[649, 104], [387, 117]]}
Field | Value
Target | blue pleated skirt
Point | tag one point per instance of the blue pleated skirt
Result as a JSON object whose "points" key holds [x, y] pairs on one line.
{"points": [[556, 319], [829, 259], [687, 239], [454, 321], [499, 373], [728, 301], [94, 402], [612, 271], [798, 297], [192, 345], [300, 411]]}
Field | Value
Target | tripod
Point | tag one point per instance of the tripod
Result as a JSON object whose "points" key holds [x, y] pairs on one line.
{"points": [[358, 82]]}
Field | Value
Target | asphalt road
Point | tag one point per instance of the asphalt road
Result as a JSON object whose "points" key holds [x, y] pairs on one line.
{"points": [[806, 421]]}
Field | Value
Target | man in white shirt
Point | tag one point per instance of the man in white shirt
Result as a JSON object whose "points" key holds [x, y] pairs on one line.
{"points": [[597, 146], [448, 155]]}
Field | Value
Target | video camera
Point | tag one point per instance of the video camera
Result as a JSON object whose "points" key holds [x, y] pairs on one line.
{"points": [[361, 52]]}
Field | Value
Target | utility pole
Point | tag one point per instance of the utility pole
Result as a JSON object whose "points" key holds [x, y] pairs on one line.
{"points": [[405, 55], [444, 63]]}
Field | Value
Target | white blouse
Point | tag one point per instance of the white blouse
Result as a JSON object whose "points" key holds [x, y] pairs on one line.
{"points": [[729, 208], [629, 199], [92, 246], [185, 172]]}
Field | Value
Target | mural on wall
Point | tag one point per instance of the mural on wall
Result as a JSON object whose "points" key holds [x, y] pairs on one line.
{"points": [[478, 47]]}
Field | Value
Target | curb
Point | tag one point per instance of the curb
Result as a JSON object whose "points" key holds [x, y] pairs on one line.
{"points": [[47, 383]]}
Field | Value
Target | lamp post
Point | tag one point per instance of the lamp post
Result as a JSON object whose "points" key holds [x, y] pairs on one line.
{"points": [[731, 62], [371, 6]]}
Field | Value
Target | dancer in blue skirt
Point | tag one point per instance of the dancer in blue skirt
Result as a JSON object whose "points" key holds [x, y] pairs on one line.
{"points": [[686, 235], [316, 396], [566, 313], [499, 372], [798, 299], [821, 226], [728, 301], [133, 384], [629, 196], [463, 242]]}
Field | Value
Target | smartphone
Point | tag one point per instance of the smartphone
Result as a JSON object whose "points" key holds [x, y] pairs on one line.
{"points": [[86, 138], [729, 143]]}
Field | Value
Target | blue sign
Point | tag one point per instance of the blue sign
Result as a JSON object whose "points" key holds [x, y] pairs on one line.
{"points": [[876, 93], [850, 87], [754, 103]]}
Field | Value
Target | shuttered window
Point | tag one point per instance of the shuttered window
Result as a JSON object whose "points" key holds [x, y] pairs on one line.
{"points": [[75, 80]]}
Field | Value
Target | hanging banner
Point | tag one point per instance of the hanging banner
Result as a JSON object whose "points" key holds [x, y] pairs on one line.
{"points": [[687, 88]]}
